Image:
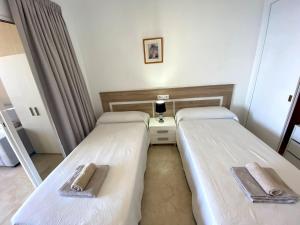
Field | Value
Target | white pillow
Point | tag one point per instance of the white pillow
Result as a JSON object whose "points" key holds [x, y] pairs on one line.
{"points": [[124, 117], [211, 112]]}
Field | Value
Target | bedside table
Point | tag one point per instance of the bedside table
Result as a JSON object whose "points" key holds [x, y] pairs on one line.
{"points": [[162, 133]]}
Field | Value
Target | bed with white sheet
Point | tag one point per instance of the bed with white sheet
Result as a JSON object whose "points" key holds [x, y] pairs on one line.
{"points": [[211, 141], [120, 141]]}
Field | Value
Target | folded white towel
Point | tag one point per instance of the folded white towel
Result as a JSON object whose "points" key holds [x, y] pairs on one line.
{"points": [[93, 186], [264, 179], [255, 192], [84, 177]]}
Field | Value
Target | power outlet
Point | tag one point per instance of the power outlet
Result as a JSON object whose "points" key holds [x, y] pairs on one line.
{"points": [[163, 97]]}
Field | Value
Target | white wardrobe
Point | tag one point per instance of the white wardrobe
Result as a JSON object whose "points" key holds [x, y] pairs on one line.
{"points": [[276, 72]]}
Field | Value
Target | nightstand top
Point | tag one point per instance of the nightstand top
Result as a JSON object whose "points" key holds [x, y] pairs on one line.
{"points": [[168, 122]]}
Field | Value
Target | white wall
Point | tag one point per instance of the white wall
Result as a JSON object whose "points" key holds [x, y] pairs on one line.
{"points": [[206, 42]]}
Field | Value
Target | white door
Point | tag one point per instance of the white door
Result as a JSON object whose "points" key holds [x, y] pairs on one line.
{"points": [[21, 88], [278, 73]]}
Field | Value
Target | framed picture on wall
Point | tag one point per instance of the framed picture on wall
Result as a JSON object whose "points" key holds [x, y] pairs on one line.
{"points": [[153, 50]]}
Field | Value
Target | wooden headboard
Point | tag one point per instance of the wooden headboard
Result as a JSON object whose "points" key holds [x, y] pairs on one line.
{"points": [[183, 97]]}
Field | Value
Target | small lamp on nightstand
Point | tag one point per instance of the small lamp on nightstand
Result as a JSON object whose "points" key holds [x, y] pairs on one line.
{"points": [[160, 108]]}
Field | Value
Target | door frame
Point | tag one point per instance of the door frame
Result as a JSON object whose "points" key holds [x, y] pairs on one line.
{"points": [[256, 67], [19, 149]]}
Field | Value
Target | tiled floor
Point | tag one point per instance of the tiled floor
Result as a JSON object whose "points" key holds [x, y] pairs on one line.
{"points": [[15, 187], [45, 163], [167, 199]]}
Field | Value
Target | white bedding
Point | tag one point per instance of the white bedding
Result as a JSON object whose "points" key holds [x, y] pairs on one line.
{"points": [[122, 146], [209, 148]]}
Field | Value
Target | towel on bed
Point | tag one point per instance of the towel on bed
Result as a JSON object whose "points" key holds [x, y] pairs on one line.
{"points": [[255, 192], [84, 177], [270, 185], [93, 186]]}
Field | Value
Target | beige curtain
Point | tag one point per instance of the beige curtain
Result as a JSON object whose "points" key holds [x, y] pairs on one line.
{"points": [[51, 56]]}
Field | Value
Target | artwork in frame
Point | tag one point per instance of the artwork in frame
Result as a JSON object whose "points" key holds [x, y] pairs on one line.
{"points": [[153, 50]]}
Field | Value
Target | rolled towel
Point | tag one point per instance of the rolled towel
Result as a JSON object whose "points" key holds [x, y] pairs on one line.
{"points": [[264, 179], [84, 177]]}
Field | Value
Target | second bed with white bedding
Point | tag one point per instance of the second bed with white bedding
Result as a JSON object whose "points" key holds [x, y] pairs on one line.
{"points": [[122, 146], [209, 148]]}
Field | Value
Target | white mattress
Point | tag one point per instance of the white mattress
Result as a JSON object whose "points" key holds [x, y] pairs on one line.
{"points": [[209, 148], [124, 147]]}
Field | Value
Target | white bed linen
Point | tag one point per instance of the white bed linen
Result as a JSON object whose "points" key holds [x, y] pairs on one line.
{"points": [[122, 146], [204, 113], [209, 148], [124, 117]]}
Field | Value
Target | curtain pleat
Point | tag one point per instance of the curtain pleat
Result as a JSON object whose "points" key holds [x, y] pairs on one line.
{"points": [[42, 27]]}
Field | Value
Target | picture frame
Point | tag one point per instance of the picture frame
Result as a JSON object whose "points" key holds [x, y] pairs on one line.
{"points": [[153, 50]]}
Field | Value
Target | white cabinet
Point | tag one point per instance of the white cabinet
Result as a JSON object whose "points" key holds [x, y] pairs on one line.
{"points": [[296, 133], [162, 133], [292, 152], [278, 73], [292, 159], [22, 90]]}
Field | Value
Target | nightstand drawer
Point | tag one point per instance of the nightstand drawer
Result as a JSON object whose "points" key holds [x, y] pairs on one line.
{"points": [[163, 139], [162, 131]]}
